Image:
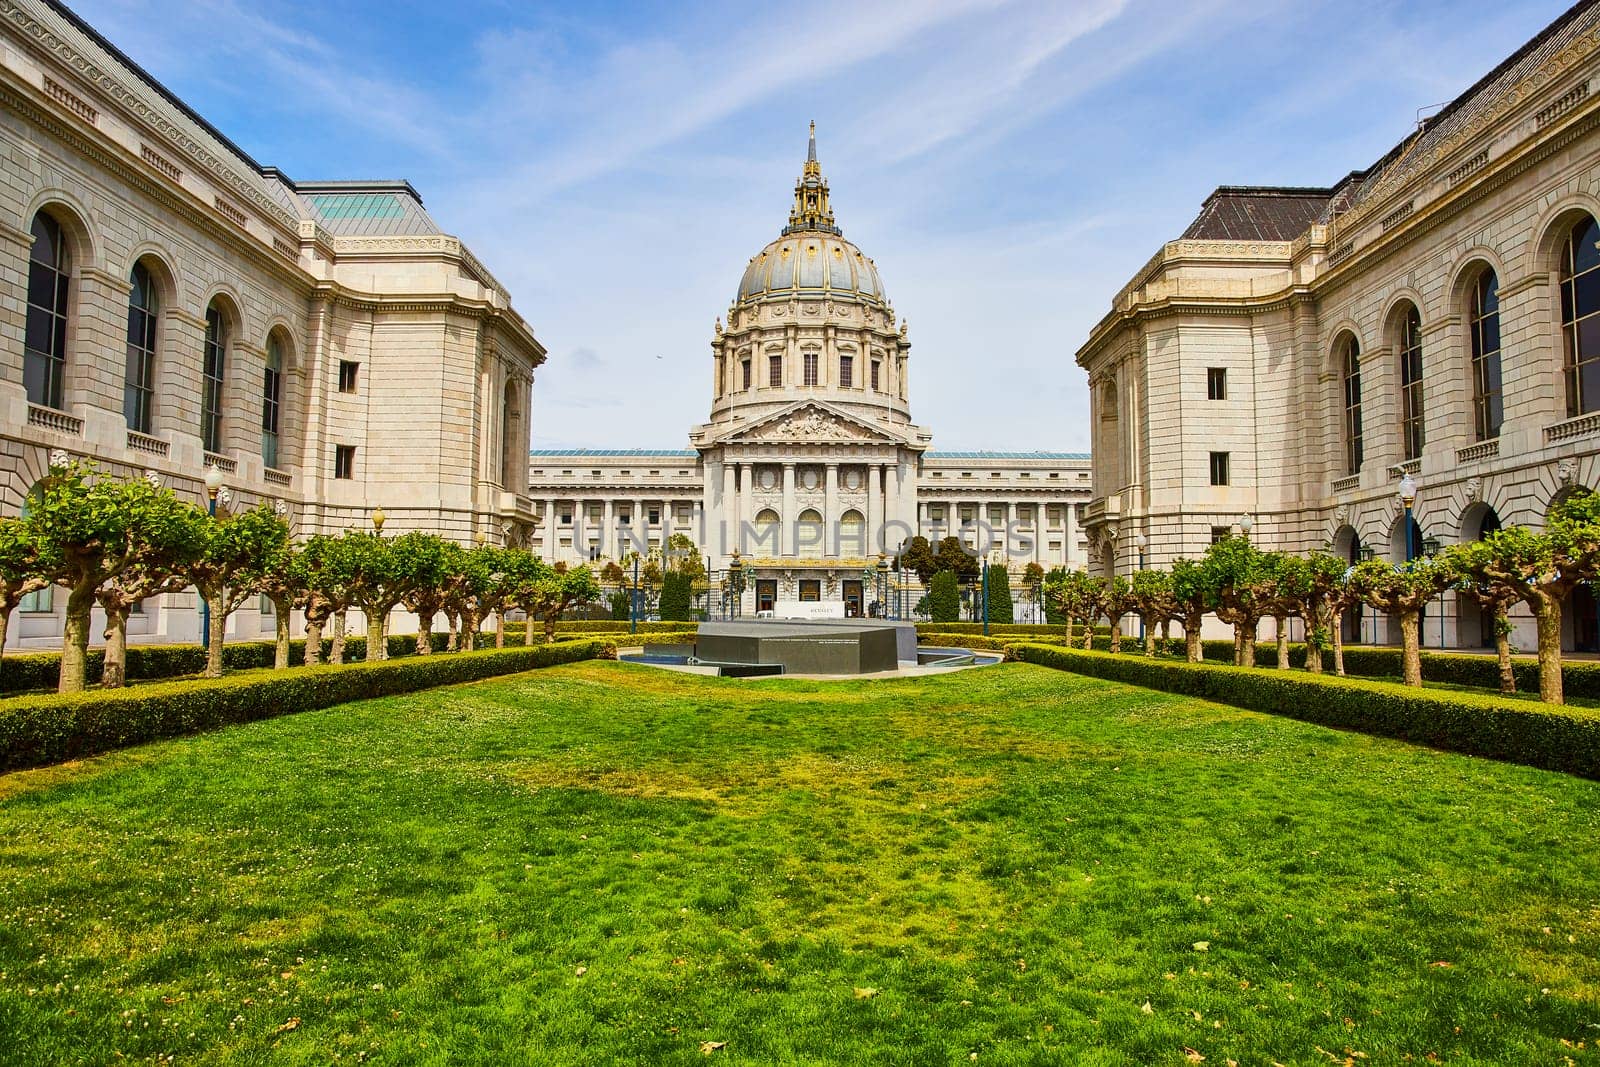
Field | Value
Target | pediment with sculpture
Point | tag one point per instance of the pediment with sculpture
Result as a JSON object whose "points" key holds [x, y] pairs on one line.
{"points": [[811, 423]]}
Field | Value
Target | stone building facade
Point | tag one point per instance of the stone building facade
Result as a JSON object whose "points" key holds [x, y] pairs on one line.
{"points": [[168, 304], [1297, 351], [809, 465]]}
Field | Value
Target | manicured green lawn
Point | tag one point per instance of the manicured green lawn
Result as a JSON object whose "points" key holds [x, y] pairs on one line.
{"points": [[607, 863]]}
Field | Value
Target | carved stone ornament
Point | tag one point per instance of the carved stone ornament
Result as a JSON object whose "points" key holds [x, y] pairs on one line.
{"points": [[809, 424], [1566, 472], [1341, 515], [1474, 489]]}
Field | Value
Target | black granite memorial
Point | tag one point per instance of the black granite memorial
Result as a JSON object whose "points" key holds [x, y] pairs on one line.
{"points": [[834, 646]]}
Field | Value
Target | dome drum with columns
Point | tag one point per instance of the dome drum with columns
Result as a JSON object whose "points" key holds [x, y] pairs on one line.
{"points": [[809, 465]]}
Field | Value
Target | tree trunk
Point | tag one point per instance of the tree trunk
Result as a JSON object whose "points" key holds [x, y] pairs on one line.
{"points": [[114, 667], [1410, 648], [219, 624], [383, 635], [1069, 631], [1281, 634], [5, 624], [500, 628], [469, 632], [1247, 652], [1116, 633], [1502, 651], [1149, 639], [1193, 650], [336, 652], [1547, 613], [313, 642], [550, 628], [453, 642], [1336, 632], [527, 633], [1238, 644], [280, 652], [425, 633], [75, 641], [1088, 634], [374, 635], [1313, 641]]}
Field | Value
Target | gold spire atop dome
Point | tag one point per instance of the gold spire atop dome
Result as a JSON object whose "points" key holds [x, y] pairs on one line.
{"points": [[811, 210]]}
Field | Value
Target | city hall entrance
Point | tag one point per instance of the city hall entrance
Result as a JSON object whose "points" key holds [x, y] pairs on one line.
{"points": [[852, 598]]}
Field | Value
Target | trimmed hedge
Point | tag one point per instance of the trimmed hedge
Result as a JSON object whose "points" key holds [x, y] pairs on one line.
{"points": [[39, 730], [1553, 738], [1003, 629], [34, 671], [611, 626], [1472, 669]]}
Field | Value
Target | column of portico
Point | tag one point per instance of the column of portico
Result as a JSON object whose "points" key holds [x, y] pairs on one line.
{"points": [[830, 509], [1011, 524], [638, 528], [873, 513], [608, 528], [730, 514], [747, 495], [786, 518]]}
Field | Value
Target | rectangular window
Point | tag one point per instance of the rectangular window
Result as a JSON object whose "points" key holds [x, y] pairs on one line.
{"points": [[1216, 383], [1220, 533], [775, 371], [138, 395], [271, 404], [653, 516], [344, 461], [810, 590], [876, 373], [1219, 468], [566, 516], [348, 370], [216, 351], [847, 372], [744, 368], [810, 368], [38, 602], [1054, 516], [265, 606]]}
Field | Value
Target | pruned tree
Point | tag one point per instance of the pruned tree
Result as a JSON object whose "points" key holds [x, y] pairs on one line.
{"points": [[944, 598], [1474, 567], [1401, 593], [240, 550], [999, 607], [22, 570], [919, 558], [954, 557], [1242, 577], [166, 537], [376, 584], [1152, 593], [423, 565], [1115, 601], [1194, 595], [83, 523], [323, 568]]}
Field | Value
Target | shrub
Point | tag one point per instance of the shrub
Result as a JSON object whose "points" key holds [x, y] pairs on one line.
{"points": [[1554, 738], [39, 730], [620, 603], [944, 598], [1000, 607], [677, 595], [31, 671]]}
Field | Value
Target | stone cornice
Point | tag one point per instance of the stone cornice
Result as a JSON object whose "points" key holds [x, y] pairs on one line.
{"points": [[49, 42], [23, 100], [1524, 283]]}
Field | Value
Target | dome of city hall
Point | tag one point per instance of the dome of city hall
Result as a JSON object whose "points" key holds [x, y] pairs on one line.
{"points": [[811, 258]]}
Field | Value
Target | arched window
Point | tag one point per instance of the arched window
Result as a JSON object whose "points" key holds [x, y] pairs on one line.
{"points": [[1580, 316], [139, 386], [271, 401], [1350, 370], [44, 359], [1410, 346], [1487, 405], [216, 359], [809, 534]]}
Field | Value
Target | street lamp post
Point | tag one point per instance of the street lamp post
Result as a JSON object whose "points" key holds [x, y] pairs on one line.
{"points": [[1245, 523], [633, 602], [1367, 553], [1408, 496], [883, 586], [213, 481], [735, 585], [1430, 549], [984, 587]]}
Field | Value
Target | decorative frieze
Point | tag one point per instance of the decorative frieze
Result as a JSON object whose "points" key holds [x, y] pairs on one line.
{"points": [[160, 163], [231, 213]]}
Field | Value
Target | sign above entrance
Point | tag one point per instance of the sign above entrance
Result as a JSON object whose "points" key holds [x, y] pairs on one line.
{"points": [[816, 609]]}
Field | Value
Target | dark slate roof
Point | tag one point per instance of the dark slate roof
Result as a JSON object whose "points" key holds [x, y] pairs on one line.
{"points": [[1257, 213], [1578, 19]]}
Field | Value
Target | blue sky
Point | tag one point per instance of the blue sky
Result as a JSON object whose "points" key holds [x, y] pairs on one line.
{"points": [[1008, 163]]}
